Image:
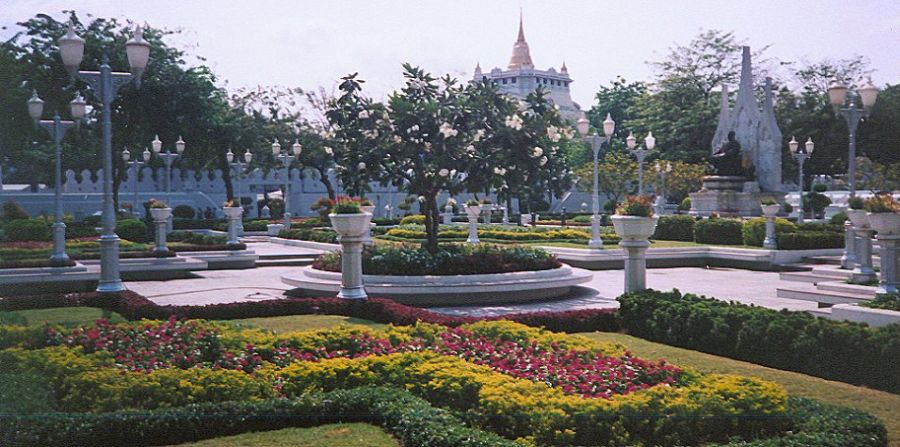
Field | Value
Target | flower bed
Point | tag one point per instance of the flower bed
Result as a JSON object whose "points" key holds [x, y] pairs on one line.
{"points": [[508, 378], [450, 260], [499, 233], [326, 235]]}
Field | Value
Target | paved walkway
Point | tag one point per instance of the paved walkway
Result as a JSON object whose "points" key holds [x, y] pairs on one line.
{"points": [[224, 286]]}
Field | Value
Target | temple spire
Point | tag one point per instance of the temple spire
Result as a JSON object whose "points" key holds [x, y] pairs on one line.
{"points": [[521, 38], [521, 57]]}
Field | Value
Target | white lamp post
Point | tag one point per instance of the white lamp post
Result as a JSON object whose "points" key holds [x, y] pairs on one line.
{"points": [[852, 113], [239, 166], [286, 159], [595, 141], [168, 158], [641, 153], [801, 157], [134, 166], [57, 129], [105, 85]]}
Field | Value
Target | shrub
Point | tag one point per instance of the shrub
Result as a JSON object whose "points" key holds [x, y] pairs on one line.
{"points": [[815, 202], [256, 225], [675, 228], [882, 203], [411, 420], [326, 235], [787, 207], [754, 230], [810, 240], [856, 203], [795, 341], [28, 230], [276, 208], [184, 212], [888, 301], [839, 218], [719, 231], [347, 207], [13, 211], [820, 187], [450, 260], [322, 206], [415, 219], [132, 230], [685, 204]]}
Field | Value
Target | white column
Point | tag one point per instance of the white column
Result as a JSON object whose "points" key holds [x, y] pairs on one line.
{"points": [[770, 241], [635, 264], [472, 214], [863, 271], [161, 234], [448, 214], [889, 281], [848, 259]]}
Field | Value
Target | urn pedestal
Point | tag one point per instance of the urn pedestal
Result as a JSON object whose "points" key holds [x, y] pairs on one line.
{"points": [[888, 227], [161, 219], [472, 212], [769, 211], [448, 215], [351, 230], [234, 215], [635, 232], [863, 270], [370, 209]]}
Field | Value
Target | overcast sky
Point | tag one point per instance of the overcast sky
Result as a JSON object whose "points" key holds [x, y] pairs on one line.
{"points": [[313, 43]]}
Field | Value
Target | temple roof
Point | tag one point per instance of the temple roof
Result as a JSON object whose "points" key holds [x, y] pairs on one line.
{"points": [[521, 56]]}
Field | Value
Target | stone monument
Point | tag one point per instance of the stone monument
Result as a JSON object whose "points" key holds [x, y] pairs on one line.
{"points": [[746, 154]]}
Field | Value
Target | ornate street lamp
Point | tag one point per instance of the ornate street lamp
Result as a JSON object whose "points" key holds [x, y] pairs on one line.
{"points": [[134, 166], [852, 113], [286, 159], [104, 86], [168, 157], [801, 156], [238, 167], [595, 141], [641, 153], [57, 129]]}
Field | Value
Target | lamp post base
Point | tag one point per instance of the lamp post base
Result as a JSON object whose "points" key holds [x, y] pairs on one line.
{"points": [[848, 259], [59, 244], [596, 241], [110, 281]]}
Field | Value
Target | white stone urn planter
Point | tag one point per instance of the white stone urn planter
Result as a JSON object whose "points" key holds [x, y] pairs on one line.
{"points": [[472, 212], [274, 229], [161, 219], [887, 224], [367, 239], [858, 218], [351, 230], [234, 214], [770, 210], [635, 232]]}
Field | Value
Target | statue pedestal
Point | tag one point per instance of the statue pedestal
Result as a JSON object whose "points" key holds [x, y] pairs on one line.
{"points": [[729, 196]]}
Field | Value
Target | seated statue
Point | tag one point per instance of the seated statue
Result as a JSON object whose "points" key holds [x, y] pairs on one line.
{"points": [[727, 161]]}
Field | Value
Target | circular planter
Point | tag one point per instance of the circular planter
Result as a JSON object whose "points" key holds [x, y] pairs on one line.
{"points": [[634, 228], [233, 212], [886, 224], [451, 290], [770, 210], [858, 218], [350, 225], [159, 214]]}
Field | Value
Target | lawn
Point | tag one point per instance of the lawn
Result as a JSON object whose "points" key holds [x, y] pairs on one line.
{"points": [[68, 316], [290, 323], [882, 404], [330, 435]]}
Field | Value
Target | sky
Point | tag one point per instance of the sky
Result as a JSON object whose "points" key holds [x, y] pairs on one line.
{"points": [[304, 43]]}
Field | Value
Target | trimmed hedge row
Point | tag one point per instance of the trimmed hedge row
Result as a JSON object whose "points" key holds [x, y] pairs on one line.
{"points": [[135, 307], [719, 231], [411, 420], [675, 228], [795, 341], [810, 240]]}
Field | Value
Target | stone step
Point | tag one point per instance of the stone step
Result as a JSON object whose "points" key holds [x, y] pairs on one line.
{"points": [[807, 277], [824, 312], [274, 256], [825, 297], [843, 287], [832, 272], [829, 260], [284, 262]]}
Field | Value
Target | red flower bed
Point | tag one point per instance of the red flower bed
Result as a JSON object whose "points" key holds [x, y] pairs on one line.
{"points": [[187, 344]]}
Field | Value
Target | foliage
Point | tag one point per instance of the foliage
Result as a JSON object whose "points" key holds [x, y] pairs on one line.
{"points": [[888, 301], [856, 203], [794, 341], [685, 204], [683, 179], [347, 206], [27, 230], [641, 206], [449, 260], [882, 203], [326, 235], [754, 230], [322, 206], [768, 201], [815, 202], [156, 204], [183, 212], [415, 219], [719, 231], [675, 228], [13, 211], [616, 176], [132, 230], [839, 218], [410, 419], [810, 240], [500, 233], [276, 208]]}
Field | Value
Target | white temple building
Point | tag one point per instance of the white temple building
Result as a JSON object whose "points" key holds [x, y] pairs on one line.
{"points": [[521, 78]]}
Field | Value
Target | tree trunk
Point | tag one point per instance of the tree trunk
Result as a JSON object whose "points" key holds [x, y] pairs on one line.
{"points": [[430, 211], [323, 177]]}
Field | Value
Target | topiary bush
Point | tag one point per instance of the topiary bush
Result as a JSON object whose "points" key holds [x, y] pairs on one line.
{"points": [[28, 230], [839, 218], [719, 231], [685, 204], [675, 228], [754, 230], [810, 240], [13, 211], [184, 212], [132, 230]]}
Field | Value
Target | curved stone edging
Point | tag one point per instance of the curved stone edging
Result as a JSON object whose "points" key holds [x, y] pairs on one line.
{"points": [[450, 290]]}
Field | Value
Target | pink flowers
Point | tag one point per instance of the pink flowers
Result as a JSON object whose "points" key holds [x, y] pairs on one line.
{"points": [[187, 344]]}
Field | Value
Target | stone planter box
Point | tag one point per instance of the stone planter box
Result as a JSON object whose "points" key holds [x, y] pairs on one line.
{"points": [[160, 214], [857, 218], [634, 228], [350, 225], [274, 229], [451, 290]]}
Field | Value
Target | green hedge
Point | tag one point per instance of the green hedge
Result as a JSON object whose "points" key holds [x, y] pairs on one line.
{"points": [[411, 420], [326, 235], [719, 231], [27, 230], [416, 219], [810, 240], [795, 341], [675, 228], [754, 230], [132, 230]]}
